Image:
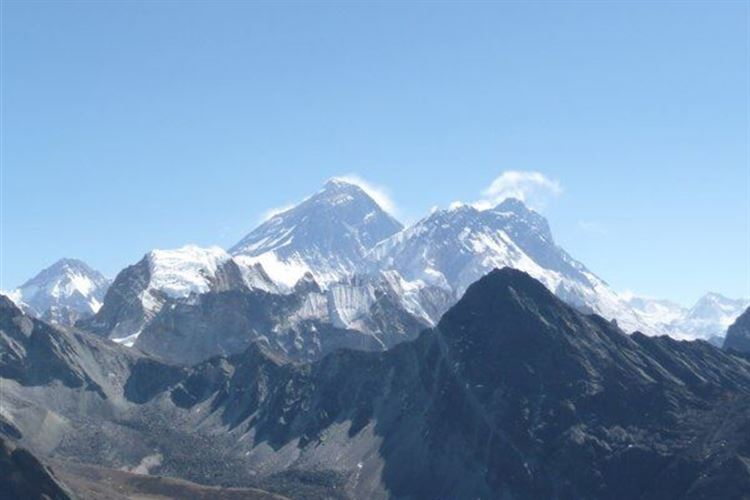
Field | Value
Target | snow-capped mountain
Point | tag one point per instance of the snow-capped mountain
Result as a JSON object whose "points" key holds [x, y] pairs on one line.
{"points": [[454, 248], [192, 303], [63, 292], [326, 235], [656, 311], [349, 302], [372, 312], [712, 315], [708, 318], [139, 291]]}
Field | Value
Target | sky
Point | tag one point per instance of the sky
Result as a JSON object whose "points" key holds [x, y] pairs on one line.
{"points": [[131, 125]]}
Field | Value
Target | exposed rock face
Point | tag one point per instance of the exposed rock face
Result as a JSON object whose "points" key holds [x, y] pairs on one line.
{"points": [[738, 334], [23, 476], [365, 313], [141, 290], [225, 323], [34, 353]]}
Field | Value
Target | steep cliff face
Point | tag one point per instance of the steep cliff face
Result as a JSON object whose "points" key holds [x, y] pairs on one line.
{"points": [[738, 334], [22, 475]]}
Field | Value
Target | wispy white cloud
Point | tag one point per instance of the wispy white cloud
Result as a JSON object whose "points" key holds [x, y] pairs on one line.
{"points": [[376, 192], [533, 188], [268, 214]]}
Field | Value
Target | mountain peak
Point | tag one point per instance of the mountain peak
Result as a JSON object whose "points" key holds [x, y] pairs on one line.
{"points": [[7, 304], [339, 183], [327, 235], [67, 284], [499, 290], [62, 267], [512, 205]]}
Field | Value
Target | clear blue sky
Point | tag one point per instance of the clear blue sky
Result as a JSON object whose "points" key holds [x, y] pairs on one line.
{"points": [[134, 125]]}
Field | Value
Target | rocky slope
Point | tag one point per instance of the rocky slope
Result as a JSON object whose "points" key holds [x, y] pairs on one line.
{"points": [[140, 291], [190, 304], [366, 313], [23, 476], [513, 395]]}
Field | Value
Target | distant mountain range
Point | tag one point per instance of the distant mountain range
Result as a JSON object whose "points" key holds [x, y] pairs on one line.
{"points": [[338, 262], [513, 394], [707, 319]]}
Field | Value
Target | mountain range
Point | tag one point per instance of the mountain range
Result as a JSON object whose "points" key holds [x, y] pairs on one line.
{"points": [[707, 319], [512, 394], [338, 261]]}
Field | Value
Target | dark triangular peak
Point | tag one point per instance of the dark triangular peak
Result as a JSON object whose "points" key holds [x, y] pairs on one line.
{"points": [[8, 306], [510, 329], [738, 334], [509, 335], [507, 304], [307, 284]]}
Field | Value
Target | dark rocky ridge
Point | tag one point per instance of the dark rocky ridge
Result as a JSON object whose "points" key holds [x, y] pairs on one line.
{"points": [[738, 334], [23, 476], [513, 395]]}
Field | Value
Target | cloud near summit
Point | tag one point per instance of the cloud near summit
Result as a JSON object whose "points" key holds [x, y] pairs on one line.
{"points": [[533, 188], [377, 193], [374, 191]]}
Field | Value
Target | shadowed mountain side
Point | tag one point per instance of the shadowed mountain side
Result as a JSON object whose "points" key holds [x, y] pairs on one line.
{"points": [[514, 393], [23, 476], [738, 334]]}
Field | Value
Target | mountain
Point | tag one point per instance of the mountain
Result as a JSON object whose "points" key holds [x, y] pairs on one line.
{"points": [[738, 334], [192, 303], [141, 290], [455, 247], [370, 313], [711, 315], [514, 394], [326, 235], [22, 475], [707, 319], [65, 291], [656, 311], [55, 383]]}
